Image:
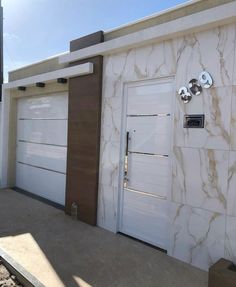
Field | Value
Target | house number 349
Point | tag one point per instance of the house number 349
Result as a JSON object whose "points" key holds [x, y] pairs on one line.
{"points": [[195, 87]]}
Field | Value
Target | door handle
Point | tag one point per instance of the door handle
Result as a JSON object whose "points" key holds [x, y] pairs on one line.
{"points": [[126, 179], [127, 144]]}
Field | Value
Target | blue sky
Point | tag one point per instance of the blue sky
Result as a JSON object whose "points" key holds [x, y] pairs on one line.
{"points": [[37, 29]]}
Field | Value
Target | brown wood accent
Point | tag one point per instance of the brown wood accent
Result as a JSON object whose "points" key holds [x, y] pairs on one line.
{"points": [[86, 41], [84, 118]]}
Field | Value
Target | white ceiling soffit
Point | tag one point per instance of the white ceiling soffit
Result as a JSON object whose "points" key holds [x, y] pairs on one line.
{"points": [[78, 70], [203, 20]]}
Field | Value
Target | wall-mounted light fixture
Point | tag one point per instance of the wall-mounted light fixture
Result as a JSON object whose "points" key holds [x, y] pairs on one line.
{"points": [[21, 88], [62, 80], [40, 85]]}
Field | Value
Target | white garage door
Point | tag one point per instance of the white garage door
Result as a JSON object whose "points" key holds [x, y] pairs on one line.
{"points": [[147, 162], [42, 146]]}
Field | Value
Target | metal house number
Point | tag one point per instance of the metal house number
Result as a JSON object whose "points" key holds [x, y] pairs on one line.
{"points": [[206, 80], [185, 95], [195, 87]]}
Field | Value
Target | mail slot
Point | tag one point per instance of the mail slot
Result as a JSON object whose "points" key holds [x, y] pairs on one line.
{"points": [[194, 121]]}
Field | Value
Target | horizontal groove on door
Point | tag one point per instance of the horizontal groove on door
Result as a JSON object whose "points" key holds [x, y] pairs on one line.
{"points": [[23, 141], [20, 162], [148, 154], [42, 119], [151, 115], [145, 193]]}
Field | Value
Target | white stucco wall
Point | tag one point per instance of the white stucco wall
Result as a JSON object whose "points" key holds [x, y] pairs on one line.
{"points": [[202, 204]]}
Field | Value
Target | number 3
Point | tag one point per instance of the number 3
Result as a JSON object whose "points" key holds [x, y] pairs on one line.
{"points": [[185, 95]]}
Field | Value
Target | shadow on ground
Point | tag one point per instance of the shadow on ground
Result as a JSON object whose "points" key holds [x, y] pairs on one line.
{"points": [[63, 252]]}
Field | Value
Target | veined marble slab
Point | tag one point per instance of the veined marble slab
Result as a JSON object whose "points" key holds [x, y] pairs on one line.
{"points": [[196, 235], [231, 198], [109, 163], [111, 118], [234, 75], [212, 50], [148, 62], [200, 178], [233, 119], [107, 207], [230, 240], [215, 104]]}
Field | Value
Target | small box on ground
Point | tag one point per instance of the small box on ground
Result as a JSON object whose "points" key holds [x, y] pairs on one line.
{"points": [[222, 274]]}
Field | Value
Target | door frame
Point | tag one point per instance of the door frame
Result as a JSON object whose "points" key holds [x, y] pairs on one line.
{"points": [[126, 85]]}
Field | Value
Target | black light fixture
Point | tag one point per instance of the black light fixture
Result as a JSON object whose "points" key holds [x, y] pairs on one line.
{"points": [[40, 85], [21, 88], [62, 80]]}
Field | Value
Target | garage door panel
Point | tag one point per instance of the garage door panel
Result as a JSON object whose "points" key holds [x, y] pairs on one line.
{"points": [[45, 156], [42, 145], [44, 183], [149, 215], [52, 132], [50, 107]]}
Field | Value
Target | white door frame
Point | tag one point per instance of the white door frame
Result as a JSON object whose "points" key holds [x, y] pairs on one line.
{"points": [[168, 79]]}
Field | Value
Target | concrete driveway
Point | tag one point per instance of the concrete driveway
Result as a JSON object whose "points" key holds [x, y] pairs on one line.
{"points": [[62, 252]]}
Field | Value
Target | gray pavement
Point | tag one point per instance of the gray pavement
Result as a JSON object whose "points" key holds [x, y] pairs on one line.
{"points": [[59, 251]]}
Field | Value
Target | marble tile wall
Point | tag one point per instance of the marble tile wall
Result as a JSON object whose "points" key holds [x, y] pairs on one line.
{"points": [[215, 104], [202, 224], [231, 197], [197, 236], [137, 64], [233, 118], [212, 50], [230, 238], [200, 178]]}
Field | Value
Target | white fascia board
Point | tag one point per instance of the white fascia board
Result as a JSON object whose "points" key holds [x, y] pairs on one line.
{"points": [[154, 15], [203, 20], [38, 62], [79, 70]]}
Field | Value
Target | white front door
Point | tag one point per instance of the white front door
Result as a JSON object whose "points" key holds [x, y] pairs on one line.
{"points": [[42, 146], [147, 172]]}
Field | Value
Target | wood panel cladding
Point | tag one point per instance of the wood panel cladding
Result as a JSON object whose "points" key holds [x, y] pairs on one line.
{"points": [[84, 120], [87, 41]]}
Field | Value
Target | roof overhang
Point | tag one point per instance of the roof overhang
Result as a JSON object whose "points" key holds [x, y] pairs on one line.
{"points": [[75, 71], [207, 19]]}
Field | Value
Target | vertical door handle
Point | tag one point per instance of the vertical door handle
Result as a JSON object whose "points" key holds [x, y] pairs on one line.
{"points": [[126, 179], [127, 144]]}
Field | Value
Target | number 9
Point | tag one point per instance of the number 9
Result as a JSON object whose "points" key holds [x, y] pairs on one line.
{"points": [[206, 80], [185, 95]]}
